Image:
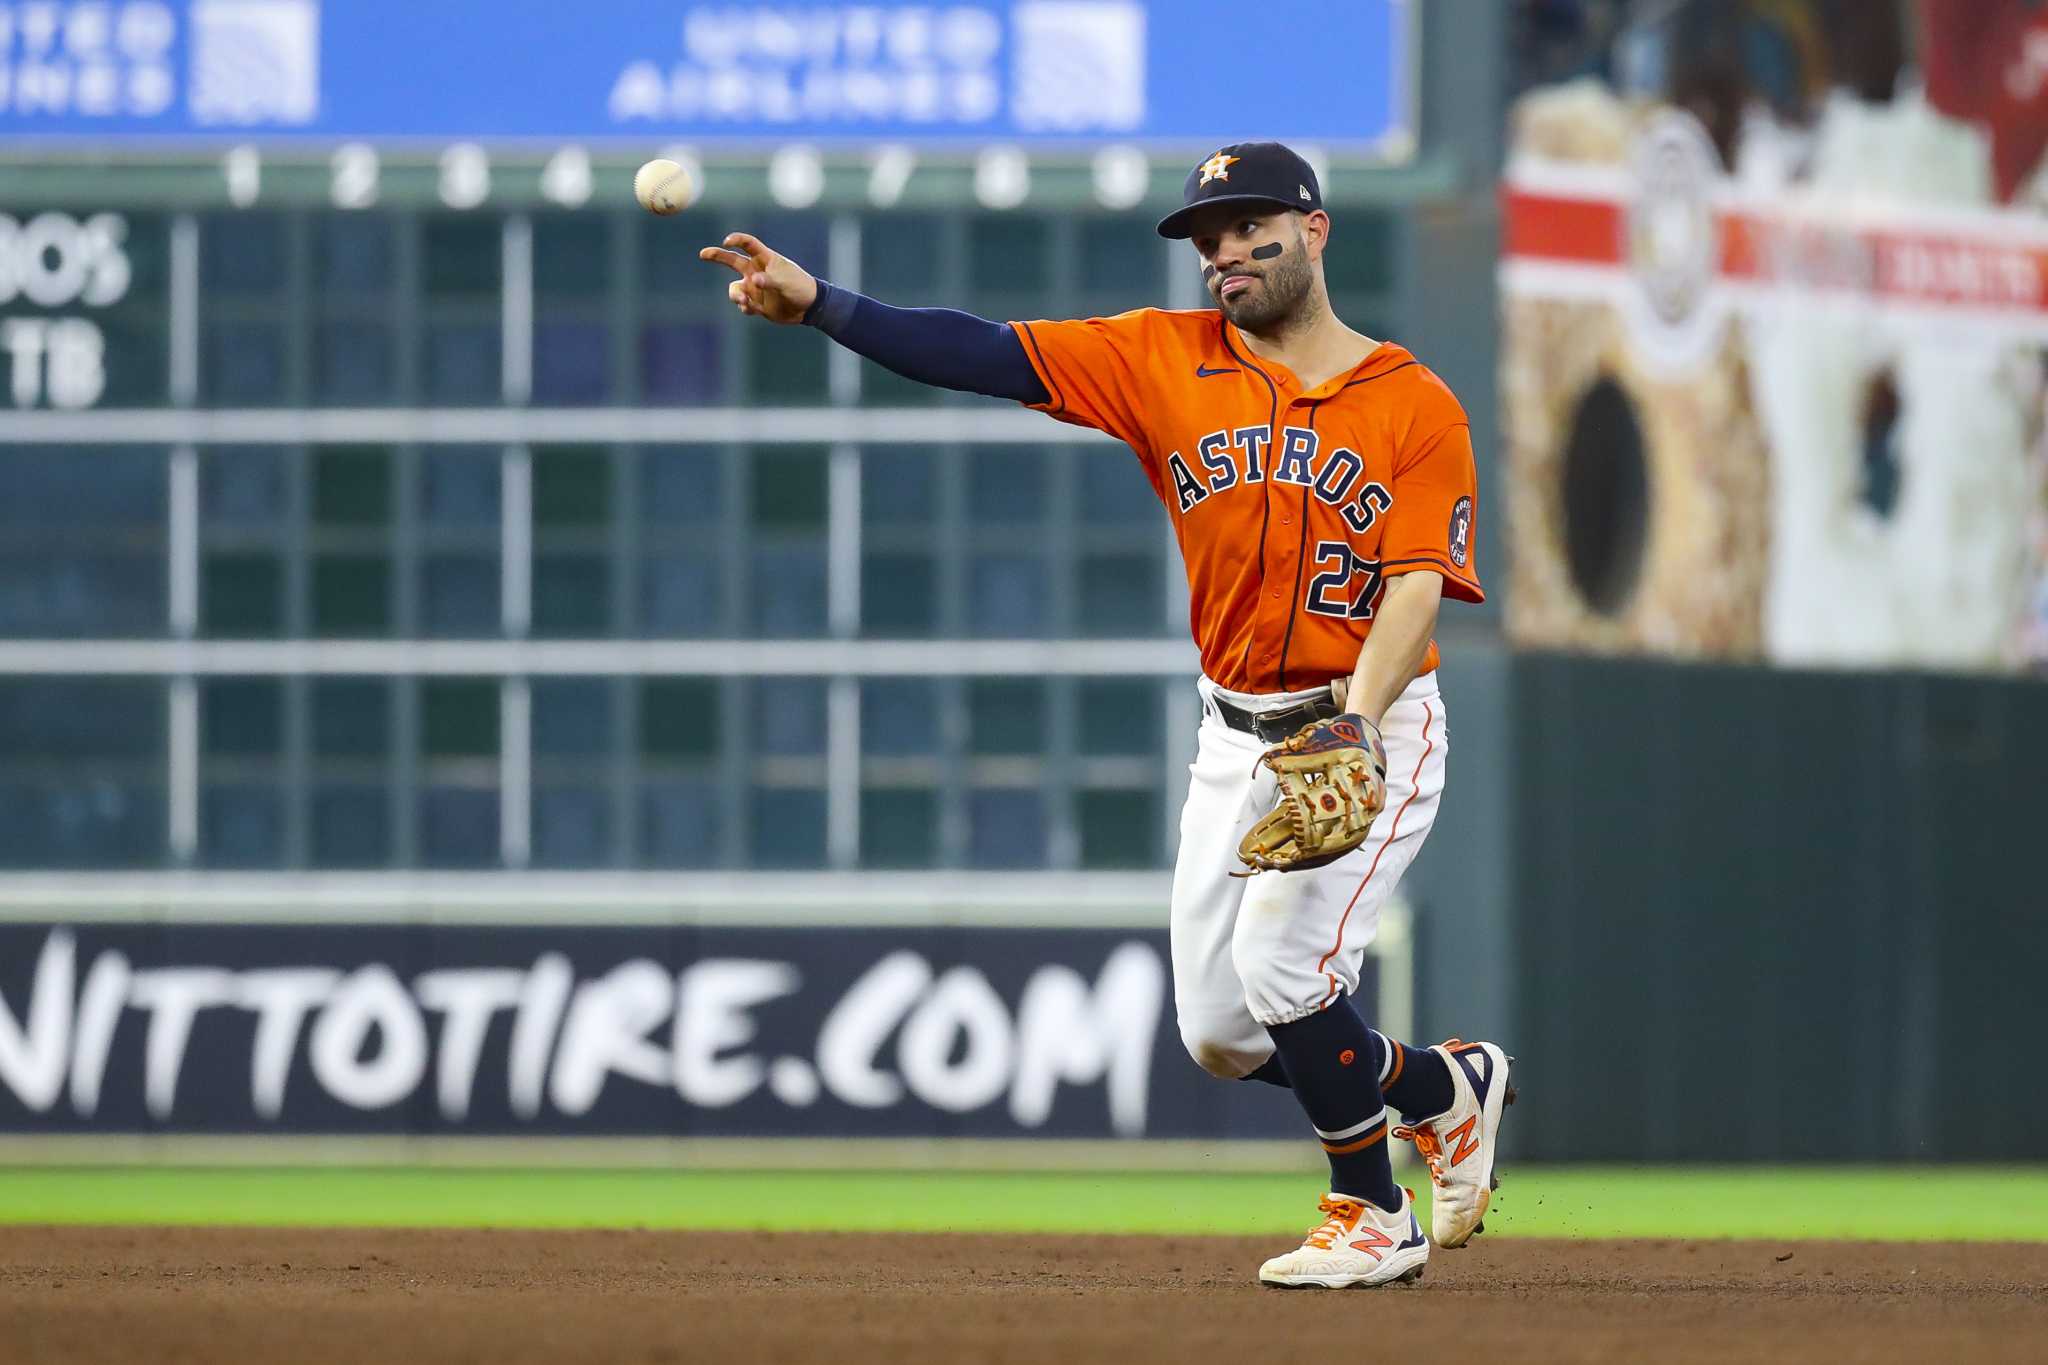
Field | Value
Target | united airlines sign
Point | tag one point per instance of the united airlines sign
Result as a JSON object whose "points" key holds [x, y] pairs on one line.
{"points": [[1028, 71]]}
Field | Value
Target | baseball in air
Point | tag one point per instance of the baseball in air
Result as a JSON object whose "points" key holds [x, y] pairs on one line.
{"points": [[662, 187]]}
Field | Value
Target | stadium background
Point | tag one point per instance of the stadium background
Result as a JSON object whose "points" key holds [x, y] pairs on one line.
{"points": [[467, 696]]}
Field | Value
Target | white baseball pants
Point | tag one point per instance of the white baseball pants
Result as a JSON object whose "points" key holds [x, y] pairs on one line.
{"points": [[1278, 946]]}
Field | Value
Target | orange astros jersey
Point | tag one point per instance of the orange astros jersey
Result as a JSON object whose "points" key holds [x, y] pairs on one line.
{"points": [[1292, 507]]}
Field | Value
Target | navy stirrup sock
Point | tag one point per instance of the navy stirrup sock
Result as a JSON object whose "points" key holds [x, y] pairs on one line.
{"points": [[1333, 1062], [1271, 1072], [1415, 1080]]}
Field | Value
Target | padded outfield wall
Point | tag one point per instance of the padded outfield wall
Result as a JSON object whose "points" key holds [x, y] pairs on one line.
{"points": [[1796, 916]]}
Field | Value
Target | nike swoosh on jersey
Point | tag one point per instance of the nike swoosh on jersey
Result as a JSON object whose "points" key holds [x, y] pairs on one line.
{"points": [[1203, 372]]}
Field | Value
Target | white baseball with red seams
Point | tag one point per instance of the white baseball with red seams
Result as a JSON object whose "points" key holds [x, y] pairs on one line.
{"points": [[1278, 946], [663, 187]]}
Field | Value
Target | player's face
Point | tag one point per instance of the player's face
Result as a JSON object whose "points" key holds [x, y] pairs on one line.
{"points": [[1255, 288]]}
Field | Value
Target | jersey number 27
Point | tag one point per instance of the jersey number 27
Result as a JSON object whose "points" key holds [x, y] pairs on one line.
{"points": [[1326, 591]]}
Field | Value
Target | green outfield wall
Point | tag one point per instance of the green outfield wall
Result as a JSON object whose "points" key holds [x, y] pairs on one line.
{"points": [[1770, 914]]}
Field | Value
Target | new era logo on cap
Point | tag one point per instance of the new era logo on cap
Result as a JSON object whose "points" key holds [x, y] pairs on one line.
{"points": [[1305, 194]]}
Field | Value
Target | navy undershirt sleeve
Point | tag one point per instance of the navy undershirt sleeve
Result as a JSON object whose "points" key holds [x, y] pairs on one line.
{"points": [[943, 347]]}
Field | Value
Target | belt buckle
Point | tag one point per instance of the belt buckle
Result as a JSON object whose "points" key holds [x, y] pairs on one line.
{"points": [[1284, 722], [1303, 712]]}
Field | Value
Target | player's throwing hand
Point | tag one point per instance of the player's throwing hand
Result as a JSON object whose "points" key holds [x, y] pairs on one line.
{"points": [[770, 285]]}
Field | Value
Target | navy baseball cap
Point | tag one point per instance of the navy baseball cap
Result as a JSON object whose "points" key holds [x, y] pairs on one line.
{"points": [[1263, 173]]}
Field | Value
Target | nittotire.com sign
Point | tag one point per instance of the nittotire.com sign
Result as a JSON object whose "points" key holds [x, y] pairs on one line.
{"points": [[408, 1028]]}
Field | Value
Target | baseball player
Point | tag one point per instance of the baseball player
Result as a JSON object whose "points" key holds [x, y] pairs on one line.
{"points": [[1321, 485]]}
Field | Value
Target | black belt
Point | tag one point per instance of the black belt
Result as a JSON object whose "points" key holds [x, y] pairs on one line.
{"points": [[1274, 726]]}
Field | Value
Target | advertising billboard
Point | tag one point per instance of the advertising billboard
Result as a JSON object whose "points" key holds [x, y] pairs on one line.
{"points": [[1026, 71], [635, 1030]]}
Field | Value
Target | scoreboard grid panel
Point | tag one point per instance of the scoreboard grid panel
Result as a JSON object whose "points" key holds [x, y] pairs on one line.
{"points": [[400, 541]]}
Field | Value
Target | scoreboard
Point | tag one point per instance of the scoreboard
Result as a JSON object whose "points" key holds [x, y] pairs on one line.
{"points": [[134, 132], [104, 258], [381, 487]]}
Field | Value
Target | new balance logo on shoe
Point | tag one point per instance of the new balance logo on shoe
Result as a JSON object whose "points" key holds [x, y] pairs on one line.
{"points": [[1463, 1136], [1372, 1243]]}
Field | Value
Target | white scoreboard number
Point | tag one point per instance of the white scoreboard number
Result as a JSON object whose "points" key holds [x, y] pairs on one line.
{"points": [[55, 261], [61, 270], [468, 175]]}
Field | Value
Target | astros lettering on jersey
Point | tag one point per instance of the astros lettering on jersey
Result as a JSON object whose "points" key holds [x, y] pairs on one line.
{"points": [[1292, 507]]}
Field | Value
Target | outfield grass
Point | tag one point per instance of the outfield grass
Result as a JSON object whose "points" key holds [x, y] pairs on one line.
{"points": [[1975, 1203]]}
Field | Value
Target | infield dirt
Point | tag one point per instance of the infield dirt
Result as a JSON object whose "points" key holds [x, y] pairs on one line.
{"points": [[225, 1294]]}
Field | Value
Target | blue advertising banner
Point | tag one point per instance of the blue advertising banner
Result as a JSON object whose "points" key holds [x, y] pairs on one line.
{"points": [[648, 1030], [1191, 72]]}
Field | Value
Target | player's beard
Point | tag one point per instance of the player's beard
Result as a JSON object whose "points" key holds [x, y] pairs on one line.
{"points": [[1282, 291]]}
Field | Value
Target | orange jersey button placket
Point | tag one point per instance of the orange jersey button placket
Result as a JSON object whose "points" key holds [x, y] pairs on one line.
{"points": [[1276, 613]]}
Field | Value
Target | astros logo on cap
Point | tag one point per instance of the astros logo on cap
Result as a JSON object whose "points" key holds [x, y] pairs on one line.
{"points": [[1216, 168]]}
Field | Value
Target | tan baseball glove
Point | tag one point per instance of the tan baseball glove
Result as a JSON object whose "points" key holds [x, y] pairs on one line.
{"points": [[1332, 776]]}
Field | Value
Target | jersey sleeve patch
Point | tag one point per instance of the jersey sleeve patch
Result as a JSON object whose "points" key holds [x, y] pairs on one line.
{"points": [[1431, 524]]}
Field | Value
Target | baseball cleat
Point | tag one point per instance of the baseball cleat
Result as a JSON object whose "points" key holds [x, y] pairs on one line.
{"points": [[1458, 1145], [1357, 1245]]}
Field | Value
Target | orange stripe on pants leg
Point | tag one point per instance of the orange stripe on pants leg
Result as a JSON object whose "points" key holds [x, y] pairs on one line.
{"points": [[1414, 790]]}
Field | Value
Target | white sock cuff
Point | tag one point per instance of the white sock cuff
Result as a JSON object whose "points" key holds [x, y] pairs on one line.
{"points": [[1386, 1053], [1378, 1116]]}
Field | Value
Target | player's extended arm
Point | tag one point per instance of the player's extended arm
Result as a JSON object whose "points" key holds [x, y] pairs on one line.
{"points": [[943, 347], [1401, 628]]}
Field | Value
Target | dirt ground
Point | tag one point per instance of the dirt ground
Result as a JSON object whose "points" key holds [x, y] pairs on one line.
{"points": [[153, 1294]]}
